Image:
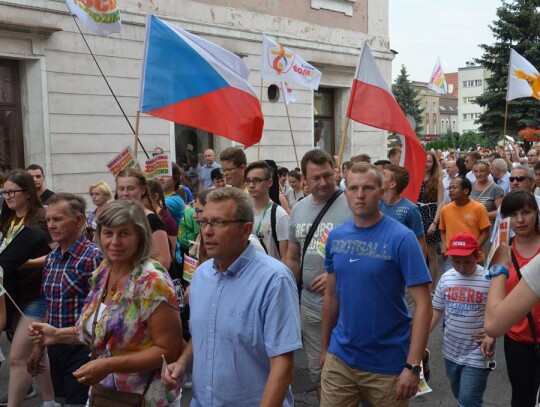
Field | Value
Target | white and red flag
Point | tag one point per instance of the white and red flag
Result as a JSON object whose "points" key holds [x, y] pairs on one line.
{"points": [[288, 94], [372, 103]]}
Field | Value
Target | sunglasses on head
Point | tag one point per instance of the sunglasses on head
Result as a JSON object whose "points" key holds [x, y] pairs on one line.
{"points": [[521, 178]]}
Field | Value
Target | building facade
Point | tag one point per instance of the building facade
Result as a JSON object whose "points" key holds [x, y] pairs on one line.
{"points": [[471, 83], [56, 109]]}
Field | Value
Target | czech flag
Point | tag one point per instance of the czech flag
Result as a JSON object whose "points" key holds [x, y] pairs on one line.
{"points": [[191, 81], [372, 103]]}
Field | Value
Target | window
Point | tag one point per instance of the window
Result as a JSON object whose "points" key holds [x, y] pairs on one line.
{"points": [[469, 99], [323, 116], [190, 144], [442, 126], [472, 83], [442, 108], [434, 107], [453, 125], [471, 116], [427, 106], [11, 137]]}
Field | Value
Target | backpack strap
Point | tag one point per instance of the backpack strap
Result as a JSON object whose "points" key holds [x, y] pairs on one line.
{"points": [[273, 225]]}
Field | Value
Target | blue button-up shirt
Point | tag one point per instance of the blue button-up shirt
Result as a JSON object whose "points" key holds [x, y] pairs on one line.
{"points": [[239, 320], [204, 174]]}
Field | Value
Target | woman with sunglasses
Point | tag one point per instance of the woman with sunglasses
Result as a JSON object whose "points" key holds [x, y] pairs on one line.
{"points": [[23, 236]]}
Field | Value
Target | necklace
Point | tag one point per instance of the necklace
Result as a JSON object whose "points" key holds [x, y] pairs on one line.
{"points": [[114, 285]]}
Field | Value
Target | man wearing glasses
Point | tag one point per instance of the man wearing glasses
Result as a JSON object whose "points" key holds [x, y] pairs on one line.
{"points": [[244, 314], [271, 224], [233, 163]]}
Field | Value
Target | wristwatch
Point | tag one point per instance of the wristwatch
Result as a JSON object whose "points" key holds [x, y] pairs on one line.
{"points": [[416, 368], [497, 269]]}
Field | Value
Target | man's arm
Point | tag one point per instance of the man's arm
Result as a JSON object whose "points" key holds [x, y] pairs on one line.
{"points": [[423, 244], [330, 313], [283, 247], [178, 369], [292, 259], [407, 383], [484, 236], [279, 380]]}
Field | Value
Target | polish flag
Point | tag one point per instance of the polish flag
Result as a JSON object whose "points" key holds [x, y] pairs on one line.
{"points": [[372, 103]]}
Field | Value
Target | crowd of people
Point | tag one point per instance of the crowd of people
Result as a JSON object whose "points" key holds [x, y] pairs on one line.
{"points": [[214, 283]]}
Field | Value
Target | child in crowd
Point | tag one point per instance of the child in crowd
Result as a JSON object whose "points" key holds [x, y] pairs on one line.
{"points": [[218, 180], [461, 294]]}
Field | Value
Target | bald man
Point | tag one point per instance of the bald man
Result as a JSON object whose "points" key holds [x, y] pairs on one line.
{"points": [[205, 179], [452, 172]]}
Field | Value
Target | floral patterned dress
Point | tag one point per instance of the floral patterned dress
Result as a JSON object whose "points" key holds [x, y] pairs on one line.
{"points": [[122, 327]]}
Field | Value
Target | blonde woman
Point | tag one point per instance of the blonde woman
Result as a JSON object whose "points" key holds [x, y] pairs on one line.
{"points": [[101, 194]]}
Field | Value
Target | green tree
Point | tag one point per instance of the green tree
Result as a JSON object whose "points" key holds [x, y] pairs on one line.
{"points": [[407, 97], [518, 27]]}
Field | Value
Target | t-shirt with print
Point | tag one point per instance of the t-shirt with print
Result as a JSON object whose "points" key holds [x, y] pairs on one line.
{"points": [[471, 218], [463, 300], [406, 213], [262, 228], [302, 215]]}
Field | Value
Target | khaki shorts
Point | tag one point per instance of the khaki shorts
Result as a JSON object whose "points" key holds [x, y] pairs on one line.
{"points": [[346, 387]]}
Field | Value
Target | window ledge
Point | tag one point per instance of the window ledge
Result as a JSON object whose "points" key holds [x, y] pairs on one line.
{"points": [[341, 6]]}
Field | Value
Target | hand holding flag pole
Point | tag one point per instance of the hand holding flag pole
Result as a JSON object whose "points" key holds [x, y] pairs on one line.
{"points": [[4, 291]]}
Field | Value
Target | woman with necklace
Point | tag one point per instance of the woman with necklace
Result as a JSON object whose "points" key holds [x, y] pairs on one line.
{"points": [[130, 319], [24, 236], [519, 344]]}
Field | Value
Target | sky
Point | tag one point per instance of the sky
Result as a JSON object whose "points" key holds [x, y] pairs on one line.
{"points": [[422, 30]]}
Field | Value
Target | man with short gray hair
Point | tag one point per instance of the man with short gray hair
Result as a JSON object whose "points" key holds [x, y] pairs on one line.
{"points": [[244, 319], [499, 171]]}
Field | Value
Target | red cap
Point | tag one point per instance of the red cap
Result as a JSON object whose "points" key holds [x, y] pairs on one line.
{"points": [[462, 244]]}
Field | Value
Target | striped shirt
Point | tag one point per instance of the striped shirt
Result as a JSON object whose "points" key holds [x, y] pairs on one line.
{"points": [[66, 280], [463, 299]]}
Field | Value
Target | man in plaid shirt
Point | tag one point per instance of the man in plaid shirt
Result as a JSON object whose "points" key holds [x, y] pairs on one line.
{"points": [[66, 283]]}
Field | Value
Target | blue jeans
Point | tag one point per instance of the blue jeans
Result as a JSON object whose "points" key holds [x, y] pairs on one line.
{"points": [[467, 383]]}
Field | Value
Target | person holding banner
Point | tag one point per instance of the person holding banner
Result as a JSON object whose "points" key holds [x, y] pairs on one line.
{"points": [[24, 235], [519, 343], [130, 319], [131, 184]]}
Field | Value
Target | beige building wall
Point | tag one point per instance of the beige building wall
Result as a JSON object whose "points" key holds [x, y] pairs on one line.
{"points": [[72, 126]]}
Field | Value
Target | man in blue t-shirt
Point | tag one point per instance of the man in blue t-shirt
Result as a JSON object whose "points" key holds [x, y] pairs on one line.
{"points": [[394, 180], [368, 341]]}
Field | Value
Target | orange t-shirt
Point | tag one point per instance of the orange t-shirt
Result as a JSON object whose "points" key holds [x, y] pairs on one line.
{"points": [[521, 331], [471, 218]]}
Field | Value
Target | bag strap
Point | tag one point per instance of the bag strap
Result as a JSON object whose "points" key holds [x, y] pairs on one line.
{"points": [[273, 225], [315, 224], [529, 315]]}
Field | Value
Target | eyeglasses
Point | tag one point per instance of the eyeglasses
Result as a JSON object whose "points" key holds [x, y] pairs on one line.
{"points": [[255, 181], [226, 171], [521, 178], [218, 224], [11, 193], [198, 211]]}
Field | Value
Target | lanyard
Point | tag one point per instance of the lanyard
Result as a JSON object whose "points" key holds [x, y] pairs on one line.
{"points": [[268, 205], [13, 230]]}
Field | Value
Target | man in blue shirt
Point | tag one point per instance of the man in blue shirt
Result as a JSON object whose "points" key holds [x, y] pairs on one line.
{"points": [[245, 322], [370, 351], [394, 180], [205, 180]]}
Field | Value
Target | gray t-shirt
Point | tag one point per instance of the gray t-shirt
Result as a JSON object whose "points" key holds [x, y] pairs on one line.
{"points": [[488, 197], [303, 213]]}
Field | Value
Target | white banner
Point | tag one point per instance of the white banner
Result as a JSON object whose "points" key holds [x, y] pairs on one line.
{"points": [[281, 64], [523, 78], [99, 16], [288, 94]]}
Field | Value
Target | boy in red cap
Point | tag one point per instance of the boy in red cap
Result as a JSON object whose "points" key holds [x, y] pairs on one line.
{"points": [[461, 295]]}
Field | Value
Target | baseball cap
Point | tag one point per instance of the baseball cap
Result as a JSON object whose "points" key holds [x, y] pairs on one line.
{"points": [[462, 244]]}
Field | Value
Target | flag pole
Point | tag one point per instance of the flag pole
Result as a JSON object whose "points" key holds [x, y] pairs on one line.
{"points": [[292, 134], [108, 85], [505, 119], [137, 120], [343, 137], [260, 101], [16, 306]]}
